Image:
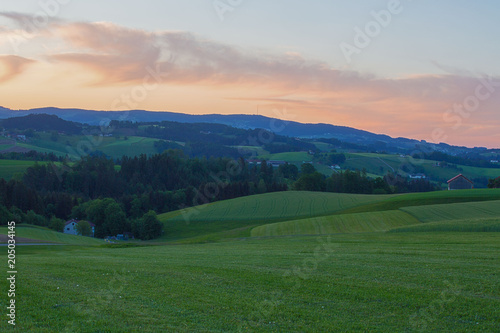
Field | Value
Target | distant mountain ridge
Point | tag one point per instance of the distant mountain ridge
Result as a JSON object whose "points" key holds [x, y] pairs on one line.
{"points": [[287, 128], [41, 122]]}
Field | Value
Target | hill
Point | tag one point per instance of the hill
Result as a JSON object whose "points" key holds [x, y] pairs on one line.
{"points": [[35, 234], [242, 213], [370, 141], [41, 122], [304, 212]]}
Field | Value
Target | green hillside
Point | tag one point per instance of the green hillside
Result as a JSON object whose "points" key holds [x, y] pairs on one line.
{"points": [[77, 145], [9, 168], [428, 198], [348, 223], [466, 225], [257, 210], [47, 235], [456, 211], [133, 146], [380, 164], [313, 213]]}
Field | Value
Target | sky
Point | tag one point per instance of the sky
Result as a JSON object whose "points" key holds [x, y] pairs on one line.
{"points": [[426, 69]]}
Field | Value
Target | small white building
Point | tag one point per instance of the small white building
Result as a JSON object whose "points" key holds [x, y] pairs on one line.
{"points": [[70, 227]]}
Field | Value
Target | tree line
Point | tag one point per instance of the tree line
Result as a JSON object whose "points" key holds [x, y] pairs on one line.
{"points": [[124, 195]]}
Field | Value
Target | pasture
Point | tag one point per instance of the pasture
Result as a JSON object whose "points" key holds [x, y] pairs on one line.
{"points": [[76, 146], [334, 224], [47, 235], [278, 262], [8, 168], [243, 213], [237, 217], [377, 282]]}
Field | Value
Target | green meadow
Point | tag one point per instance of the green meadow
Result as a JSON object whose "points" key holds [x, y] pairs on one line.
{"points": [[278, 262], [377, 282], [78, 145], [46, 235], [8, 168]]}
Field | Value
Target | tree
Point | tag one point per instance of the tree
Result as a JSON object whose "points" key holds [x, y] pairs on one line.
{"points": [[83, 228], [148, 227], [494, 183], [307, 169], [151, 226], [56, 224], [310, 182], [289, 171]]}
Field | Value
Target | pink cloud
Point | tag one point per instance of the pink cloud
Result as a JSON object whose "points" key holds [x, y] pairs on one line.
{"points": [[12, 66]]}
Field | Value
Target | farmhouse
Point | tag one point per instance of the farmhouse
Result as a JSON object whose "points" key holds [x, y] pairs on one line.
{"points": [[460, 182], [70, 227], [276, 164]]}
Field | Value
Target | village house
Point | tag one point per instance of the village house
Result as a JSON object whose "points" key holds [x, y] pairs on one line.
{"points": [[460, 182], [276, 164], [417, 176], [70, 227]]}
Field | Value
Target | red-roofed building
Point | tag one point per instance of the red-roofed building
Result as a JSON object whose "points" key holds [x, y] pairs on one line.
{"points": [[460, 182], [70, 227]]}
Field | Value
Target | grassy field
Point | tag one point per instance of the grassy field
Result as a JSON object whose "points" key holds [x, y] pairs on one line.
{"points": [[348, 275], [465, 225], [134, 146], [291, 157], [380, 164], [457, 211], [333, 224], [47, 235], [242, 213], [235, 218], [378, 282], [8, 168], [77, 145]]}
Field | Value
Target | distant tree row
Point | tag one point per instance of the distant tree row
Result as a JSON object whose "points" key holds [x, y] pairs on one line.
{"points": [[357, 182], [116, 195], [494, 183]]}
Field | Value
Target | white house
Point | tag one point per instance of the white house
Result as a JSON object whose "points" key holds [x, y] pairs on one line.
{"points": [[70, 227]]}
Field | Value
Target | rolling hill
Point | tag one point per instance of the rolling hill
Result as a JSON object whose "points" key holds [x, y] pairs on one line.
{"points": [[299, 213], [38, 234]]}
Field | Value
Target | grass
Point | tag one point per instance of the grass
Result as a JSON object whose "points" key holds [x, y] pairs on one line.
{"points": [[47, 235], [257, 210], [428, 198], [289, 157], [380, 164], [456, 211], [348, 223], [466, 225], [74, 145], [237, 217], [9, 168], [379, 282]]}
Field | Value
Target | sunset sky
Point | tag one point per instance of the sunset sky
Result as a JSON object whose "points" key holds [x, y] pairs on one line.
{"points": [[428, 70]]}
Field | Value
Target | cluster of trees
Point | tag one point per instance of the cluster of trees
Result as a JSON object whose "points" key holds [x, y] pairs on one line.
{"points": [[494, 183], [476, 160], [357, 182], [329, 159], [116, 196], [32, 155]]}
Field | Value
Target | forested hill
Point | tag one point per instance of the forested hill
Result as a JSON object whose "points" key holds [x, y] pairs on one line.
{"points": [[287, 128], [41, 122]]}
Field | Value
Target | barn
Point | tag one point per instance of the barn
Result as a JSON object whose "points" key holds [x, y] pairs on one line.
{"points": [[460, 182]]}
